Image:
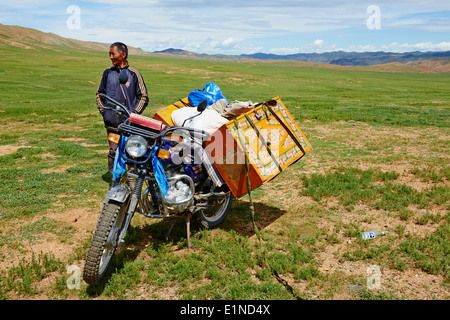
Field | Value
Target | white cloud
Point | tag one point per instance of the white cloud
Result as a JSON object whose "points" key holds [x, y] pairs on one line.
{"points": [[284, 51], [133, 3], [421, 46], [392, 47], [230, 42], [318, 42]]}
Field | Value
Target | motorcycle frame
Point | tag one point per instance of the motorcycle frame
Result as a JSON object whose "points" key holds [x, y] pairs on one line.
{"points": [[121, 193]]}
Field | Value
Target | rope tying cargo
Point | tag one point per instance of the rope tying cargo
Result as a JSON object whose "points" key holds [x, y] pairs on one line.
{"points": [[252, 213]]}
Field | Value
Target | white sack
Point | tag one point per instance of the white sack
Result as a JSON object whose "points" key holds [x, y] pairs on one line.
{"points": [[209, 121]]}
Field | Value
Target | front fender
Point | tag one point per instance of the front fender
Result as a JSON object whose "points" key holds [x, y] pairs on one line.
{"points": [[118, 193]]}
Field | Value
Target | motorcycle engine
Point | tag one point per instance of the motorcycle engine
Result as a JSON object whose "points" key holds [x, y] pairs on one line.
{"points": [[182, 177], [180, 195], [195, 171]]}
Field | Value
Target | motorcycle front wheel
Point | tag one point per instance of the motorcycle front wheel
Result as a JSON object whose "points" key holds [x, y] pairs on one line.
{"points": [[104, 242], [213, 216]]}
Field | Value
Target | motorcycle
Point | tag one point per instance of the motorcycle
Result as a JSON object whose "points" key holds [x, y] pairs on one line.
{"points": [[159, 173]]}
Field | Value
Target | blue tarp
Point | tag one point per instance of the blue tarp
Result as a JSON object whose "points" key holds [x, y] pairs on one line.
{"points": [[119, 163], [211, 92], [120, 167], [158, 171]]}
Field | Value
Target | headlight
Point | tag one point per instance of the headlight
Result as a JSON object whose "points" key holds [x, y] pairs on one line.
{"points": [[136, 146]]}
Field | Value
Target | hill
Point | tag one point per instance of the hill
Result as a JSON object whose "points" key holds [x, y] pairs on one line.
{"points": [[27, 38], [177, 52], [435, 62], [339, 58]]}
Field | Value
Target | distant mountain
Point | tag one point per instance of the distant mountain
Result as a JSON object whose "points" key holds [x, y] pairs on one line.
{"points": [[177, 52], [341, 58], [185, 53], [344, 58]]}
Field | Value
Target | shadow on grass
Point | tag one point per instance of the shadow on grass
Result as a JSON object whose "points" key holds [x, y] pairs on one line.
{"points": [[156, 234], [239, 218]]}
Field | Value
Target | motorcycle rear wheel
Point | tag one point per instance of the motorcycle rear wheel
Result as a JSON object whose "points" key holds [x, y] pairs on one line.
{"points": [[212, 217], [104, 242]]}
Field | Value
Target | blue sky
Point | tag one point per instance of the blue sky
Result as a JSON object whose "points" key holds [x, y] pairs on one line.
{"points": [[236, 27]]}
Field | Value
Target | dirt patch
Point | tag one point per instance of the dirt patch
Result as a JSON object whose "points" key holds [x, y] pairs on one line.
{"points": [[412, 284], [82, 222], [10, 149], [47, 156], [73, 139], [57, 170], [83, 219]]}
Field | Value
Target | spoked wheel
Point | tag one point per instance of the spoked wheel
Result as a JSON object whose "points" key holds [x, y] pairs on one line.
{"points": [[104, 242], [214, 215]]}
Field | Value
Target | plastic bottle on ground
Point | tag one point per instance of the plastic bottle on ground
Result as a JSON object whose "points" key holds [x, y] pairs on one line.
{"points": [[367, 235]]}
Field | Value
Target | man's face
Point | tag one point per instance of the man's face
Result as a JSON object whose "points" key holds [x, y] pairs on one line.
{"points": [[117, 58]]}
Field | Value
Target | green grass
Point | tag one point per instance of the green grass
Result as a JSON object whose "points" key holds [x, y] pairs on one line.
{"points": [[379, 159], [24, 278], [352, 185]]}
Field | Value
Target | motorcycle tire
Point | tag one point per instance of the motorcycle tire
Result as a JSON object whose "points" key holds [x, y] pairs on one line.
{"points": [[104, 242], [212, 218]]}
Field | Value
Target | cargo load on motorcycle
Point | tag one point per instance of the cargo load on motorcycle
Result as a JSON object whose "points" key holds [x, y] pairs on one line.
{"points": [[265, 133]]}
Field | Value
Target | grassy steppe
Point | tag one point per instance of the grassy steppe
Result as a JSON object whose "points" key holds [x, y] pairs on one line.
{"points": [[379, 161]]}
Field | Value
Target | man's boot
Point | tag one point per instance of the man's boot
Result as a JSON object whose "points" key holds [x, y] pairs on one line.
{"points": [[110, 164]]}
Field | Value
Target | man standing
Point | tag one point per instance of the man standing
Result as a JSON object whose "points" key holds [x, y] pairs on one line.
{"points": [[132, 94]]}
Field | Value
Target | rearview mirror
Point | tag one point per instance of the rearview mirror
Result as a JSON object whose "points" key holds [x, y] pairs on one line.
{"points": [[202, 106]]}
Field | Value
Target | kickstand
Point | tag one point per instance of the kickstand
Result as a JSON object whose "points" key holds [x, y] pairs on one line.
{"points": [[188, 229], [170, 228]]}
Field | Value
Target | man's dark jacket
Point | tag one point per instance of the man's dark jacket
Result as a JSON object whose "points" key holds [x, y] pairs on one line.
{"points": [[134, 95]]}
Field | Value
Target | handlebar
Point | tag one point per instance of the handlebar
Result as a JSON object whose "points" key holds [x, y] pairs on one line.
{"points": [[193, 132], [113, 103], [117, 105]]}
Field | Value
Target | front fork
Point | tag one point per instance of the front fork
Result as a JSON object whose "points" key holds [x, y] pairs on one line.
{"points": [[132, 204]]}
